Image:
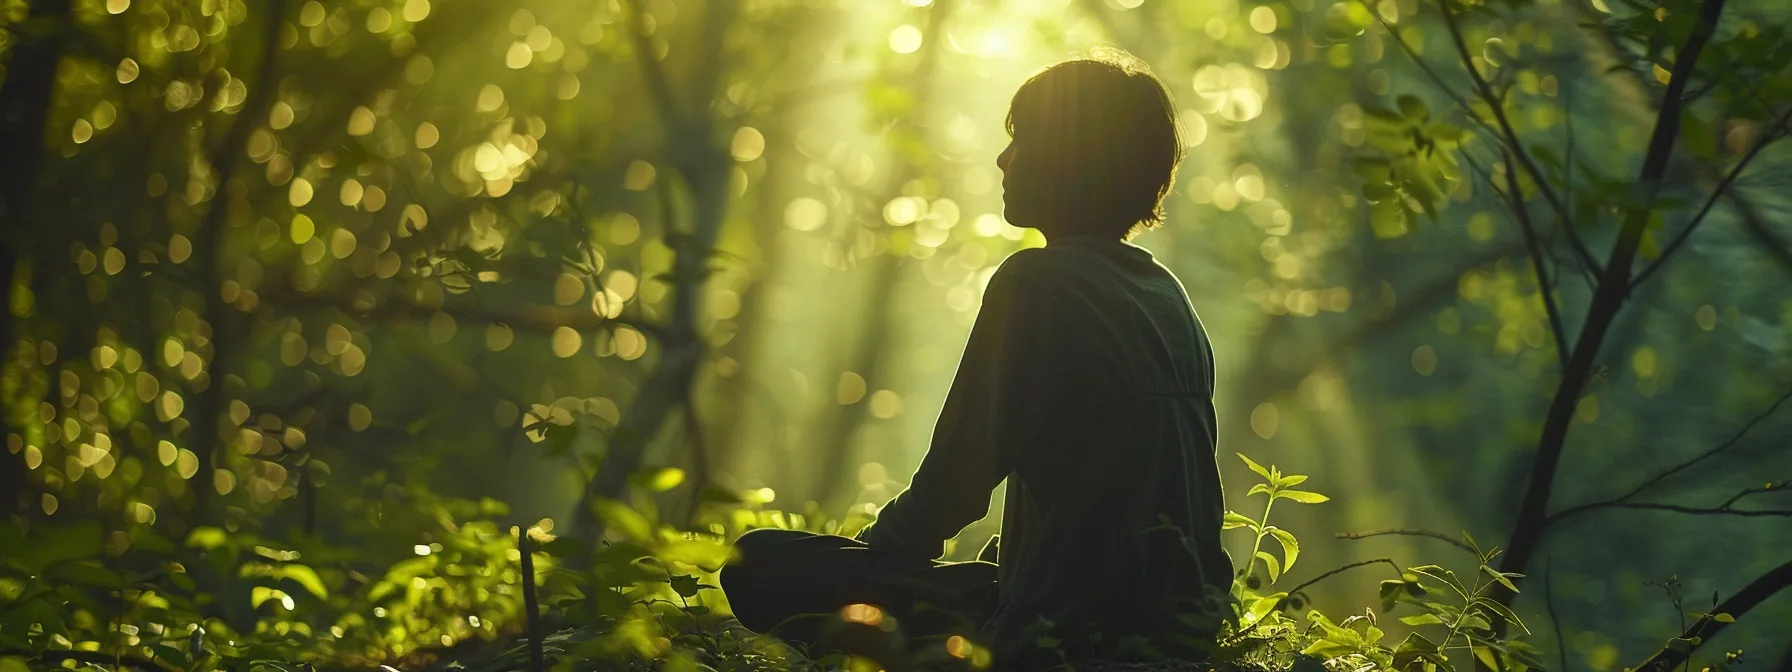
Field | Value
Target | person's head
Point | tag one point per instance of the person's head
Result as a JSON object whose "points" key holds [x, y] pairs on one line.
{"points": [[1094, 149]]}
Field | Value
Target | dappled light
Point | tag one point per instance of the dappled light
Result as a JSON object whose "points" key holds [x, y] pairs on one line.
{"points": [[410, 333]]}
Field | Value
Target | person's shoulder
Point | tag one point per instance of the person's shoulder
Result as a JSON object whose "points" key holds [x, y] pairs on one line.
{"points": [[1037, 265]]}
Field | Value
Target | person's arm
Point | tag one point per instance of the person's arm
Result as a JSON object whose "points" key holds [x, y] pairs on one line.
{"points": [[994, 405]]}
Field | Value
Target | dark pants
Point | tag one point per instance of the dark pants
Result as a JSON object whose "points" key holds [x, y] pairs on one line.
{"points": [[795, 584]]}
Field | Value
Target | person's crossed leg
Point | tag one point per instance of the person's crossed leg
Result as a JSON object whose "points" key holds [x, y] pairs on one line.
{"points": [[793, 584]]}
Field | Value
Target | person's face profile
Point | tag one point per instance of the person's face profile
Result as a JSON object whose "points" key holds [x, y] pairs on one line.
{"points": [[1022, 176]]}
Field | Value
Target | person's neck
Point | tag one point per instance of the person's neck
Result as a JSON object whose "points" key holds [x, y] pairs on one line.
{"points": [[1071, 236]]}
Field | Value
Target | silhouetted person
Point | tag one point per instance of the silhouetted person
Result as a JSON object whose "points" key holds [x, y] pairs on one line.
{"points": [[1087, 383]]}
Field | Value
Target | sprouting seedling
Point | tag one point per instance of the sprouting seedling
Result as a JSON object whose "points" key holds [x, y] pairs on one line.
{"points": [[1276, 486]]}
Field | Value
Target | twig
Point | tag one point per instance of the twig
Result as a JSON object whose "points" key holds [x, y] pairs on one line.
{"points": [[531, 605], [1495, 105], [658, 84], [1767, 136], [699, 453], [1544, 286], [1410, 532], [1651, 481], [1567, 219], [1436, 79], [1708, 625], [1555, 622]]}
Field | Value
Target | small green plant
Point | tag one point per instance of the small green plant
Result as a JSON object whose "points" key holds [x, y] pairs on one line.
{"points": [[1462, 617]]}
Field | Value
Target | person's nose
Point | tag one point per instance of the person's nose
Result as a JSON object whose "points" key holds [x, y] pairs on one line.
{"points": [[1005, 158]]}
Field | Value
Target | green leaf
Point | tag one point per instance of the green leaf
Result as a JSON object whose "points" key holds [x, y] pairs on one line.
{"points": [[1389, 594], [1275, 567], [1262, 606], [87, 573], [707, 554], [51, 544], [1421, 619], [1260, 488], [1723, 618], [1445, 132], [1377, 192], [1255, 467], [685, 585], [1303, 496], [1235, 520], [657, 479], [1697, 137], [1680, 645], [1414, 108], [1446, 576], [1500, 577], [1503, 612], [1290, 547], [1485, 655], [172, 655], [306, 577], [1290, 480], [624, 520], [207, 538]]}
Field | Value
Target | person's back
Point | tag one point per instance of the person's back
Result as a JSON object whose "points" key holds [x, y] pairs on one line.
{"points": [[1087, 384], [1121, 466]]}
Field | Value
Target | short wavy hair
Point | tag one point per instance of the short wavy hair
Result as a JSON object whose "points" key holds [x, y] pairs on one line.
{"points": [[1112, 139]]}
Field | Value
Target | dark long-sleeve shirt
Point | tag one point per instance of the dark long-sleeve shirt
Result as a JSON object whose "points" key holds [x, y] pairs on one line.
{"points": [[1088, 383]]}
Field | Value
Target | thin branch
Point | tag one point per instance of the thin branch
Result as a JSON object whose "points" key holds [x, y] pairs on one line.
{"points": [[659, 86], [1544, 286], [1767, 137], [1410, 532], [1496, 106], [531, 604], [693, 427], [1702, 630], [1567, 215], [1555, 622], [1436, 79], [1701, 457], [1757, 228], [1718, 511]]}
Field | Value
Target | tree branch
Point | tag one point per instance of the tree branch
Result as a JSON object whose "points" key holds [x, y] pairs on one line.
{"points": [[1709, 625], [1555, 622], [1651, 481], [1608, 299], [659, 86], [1756, 228], [1496, 105], [1767, 137], [1431, 74], [210, 248], [1544, 286], [1411, 532]]}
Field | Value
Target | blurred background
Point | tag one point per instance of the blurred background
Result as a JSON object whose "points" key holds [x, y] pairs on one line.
{"points": [[287, 266]]}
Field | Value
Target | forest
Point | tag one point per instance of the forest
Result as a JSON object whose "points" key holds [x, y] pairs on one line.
{"points": [[469, 334]]}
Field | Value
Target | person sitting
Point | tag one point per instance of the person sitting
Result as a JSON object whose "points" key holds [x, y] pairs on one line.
{"points": [[1087, 383]]}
